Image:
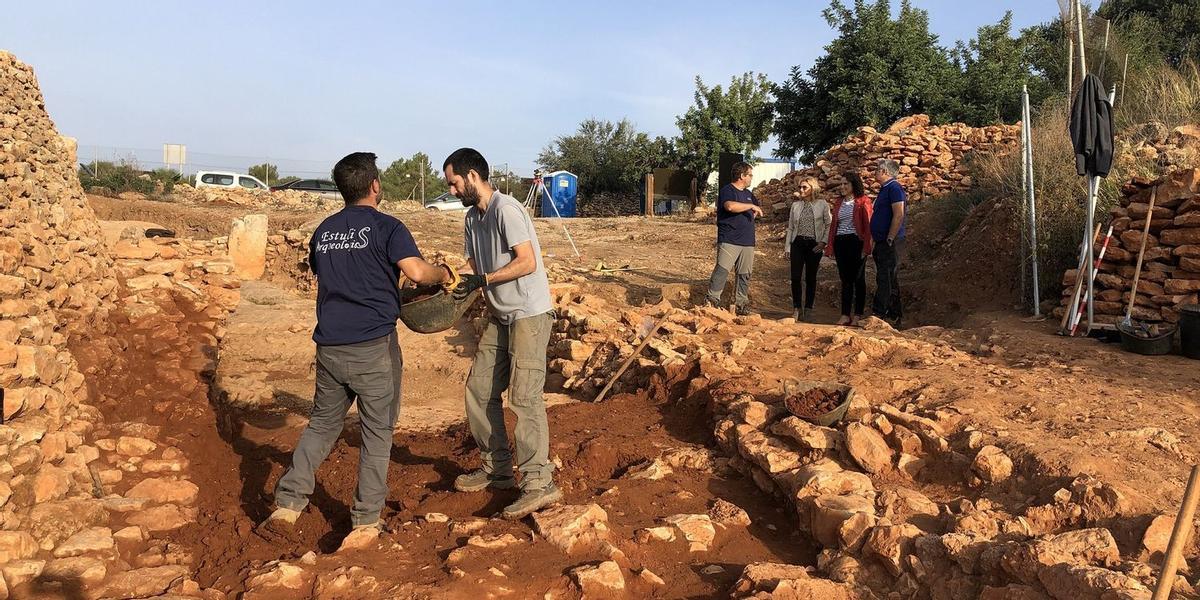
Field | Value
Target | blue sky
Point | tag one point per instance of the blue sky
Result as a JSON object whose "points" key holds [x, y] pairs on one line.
{"points": [[311, 81]]}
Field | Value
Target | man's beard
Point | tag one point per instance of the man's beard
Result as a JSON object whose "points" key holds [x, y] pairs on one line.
{"points": [[470, 195]]}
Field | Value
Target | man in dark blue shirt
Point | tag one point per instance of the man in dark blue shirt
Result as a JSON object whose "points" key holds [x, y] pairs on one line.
{"points": [[887, 231], [736, 209], [357, 255]]}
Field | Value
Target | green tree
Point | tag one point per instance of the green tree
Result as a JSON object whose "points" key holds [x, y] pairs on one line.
{"points": [[265, 172], [734, 119], [994, 66], [877, 70], [607, 157], [1174, 26], [401, 180]]}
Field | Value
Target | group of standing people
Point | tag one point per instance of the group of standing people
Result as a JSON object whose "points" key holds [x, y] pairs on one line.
{"points": [[854, 228]]}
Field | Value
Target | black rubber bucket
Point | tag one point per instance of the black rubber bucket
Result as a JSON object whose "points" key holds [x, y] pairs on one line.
{"points": [[1150, 346], [431, 309], [1189, 330]]}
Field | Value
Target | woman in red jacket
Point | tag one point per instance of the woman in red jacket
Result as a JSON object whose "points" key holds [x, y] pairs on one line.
{"points": [[850, 231]]}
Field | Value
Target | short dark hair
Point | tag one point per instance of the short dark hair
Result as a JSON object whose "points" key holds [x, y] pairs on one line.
{"points": [[467, 159], [856, 184], [739, 169], [354, 175]]}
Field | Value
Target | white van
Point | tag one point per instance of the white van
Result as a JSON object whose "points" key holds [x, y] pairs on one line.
{"points": [[222, 179]]}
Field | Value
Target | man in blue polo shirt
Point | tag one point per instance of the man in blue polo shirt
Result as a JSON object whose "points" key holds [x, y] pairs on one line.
{"points": [[736, 209], [887, 230], [357, 256]]}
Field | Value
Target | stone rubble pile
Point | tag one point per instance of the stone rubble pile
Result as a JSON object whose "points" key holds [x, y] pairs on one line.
{"points": [[932, 159], [83, 504], [294, 200], [854, 485], [1170, 275]]}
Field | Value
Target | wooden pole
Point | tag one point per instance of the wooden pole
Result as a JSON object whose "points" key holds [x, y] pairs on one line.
{"points": [[693, 199], [1137, 271], [1179, 537], [1124, 72], [649, 208], [1067, 25], [629, 361]]}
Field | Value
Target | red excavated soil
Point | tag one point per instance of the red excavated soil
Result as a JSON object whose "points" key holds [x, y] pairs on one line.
{"points": [[814, 403]]}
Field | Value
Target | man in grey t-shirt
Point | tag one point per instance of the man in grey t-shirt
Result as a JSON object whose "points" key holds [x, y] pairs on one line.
{"points": [[506, 261]]}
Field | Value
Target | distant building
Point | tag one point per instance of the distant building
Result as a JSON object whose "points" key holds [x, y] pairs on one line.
{"points": [[765, 169]]}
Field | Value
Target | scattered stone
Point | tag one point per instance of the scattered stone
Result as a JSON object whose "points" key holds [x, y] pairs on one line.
{"points": [[649, 577], [280, 575], [468, 526], [655, 534], [84, 570], [435, 518], [806, 434], [727, 513], [868, 448], [359, 538], [890, 544], [167, 517], [129, 535], [134, 446], [96, 539], [653, 470], [1158, 535], [165, 491], [19, 572], [765, 577], [827, 514], [572, 527], [50, 483], [493, 542], [16, 545], [698, 530], [713, 570], [602, 579], [992, 465]]}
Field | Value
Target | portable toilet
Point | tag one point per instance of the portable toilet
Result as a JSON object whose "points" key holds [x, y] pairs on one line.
{"points": [[561, 187]]}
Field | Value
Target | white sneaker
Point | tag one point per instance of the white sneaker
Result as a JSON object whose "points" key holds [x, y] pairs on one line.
{"points": [[796, 315]]}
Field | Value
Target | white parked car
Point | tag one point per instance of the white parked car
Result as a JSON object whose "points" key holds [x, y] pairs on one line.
{"points": [[444, 201], [222, 179]]}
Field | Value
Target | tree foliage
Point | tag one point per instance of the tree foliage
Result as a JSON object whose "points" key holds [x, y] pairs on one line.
{"points": [[993, 67], [877, 70], [734, 119], [401, 180], [1169, 29], [265, 172], [607, 157]]}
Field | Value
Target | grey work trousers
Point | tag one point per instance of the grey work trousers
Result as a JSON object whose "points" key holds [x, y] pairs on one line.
{"points": [[731, 257], [512, 357], [369, 373]]}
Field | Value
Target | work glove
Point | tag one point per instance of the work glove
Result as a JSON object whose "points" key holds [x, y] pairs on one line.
{"points": [[453, 278], [470, 282]]}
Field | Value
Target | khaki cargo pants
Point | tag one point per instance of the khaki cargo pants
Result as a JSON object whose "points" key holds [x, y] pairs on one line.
{"points": [[512, 357]]}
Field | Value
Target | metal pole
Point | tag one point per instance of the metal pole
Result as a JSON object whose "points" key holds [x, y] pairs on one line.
{"points": [[1093, 182], [1124, 72], [1037, 310], [1024, 185], [558, 215], [1104, 50], [1067, 25], [424, 167]]}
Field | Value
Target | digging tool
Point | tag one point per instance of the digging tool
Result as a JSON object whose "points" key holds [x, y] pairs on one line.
{"points": [[629, 361], [1065, 326], [1179, 536], [1137, 271]]}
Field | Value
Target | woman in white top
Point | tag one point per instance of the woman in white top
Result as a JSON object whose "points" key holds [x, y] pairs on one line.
{"points": [[807, 235]]}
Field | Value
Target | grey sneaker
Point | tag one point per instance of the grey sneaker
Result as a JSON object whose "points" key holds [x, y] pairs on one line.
{"points": [[532, 501], [807, 315], [479, 480]]}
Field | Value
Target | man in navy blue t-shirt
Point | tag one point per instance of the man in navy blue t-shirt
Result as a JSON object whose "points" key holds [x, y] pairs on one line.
{"points": [[736, 209], [887, 231], [357, 255]]}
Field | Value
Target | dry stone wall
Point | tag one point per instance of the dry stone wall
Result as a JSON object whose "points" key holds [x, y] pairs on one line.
{"points": [[1170, 275], [55, 276], [932, 159]]}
